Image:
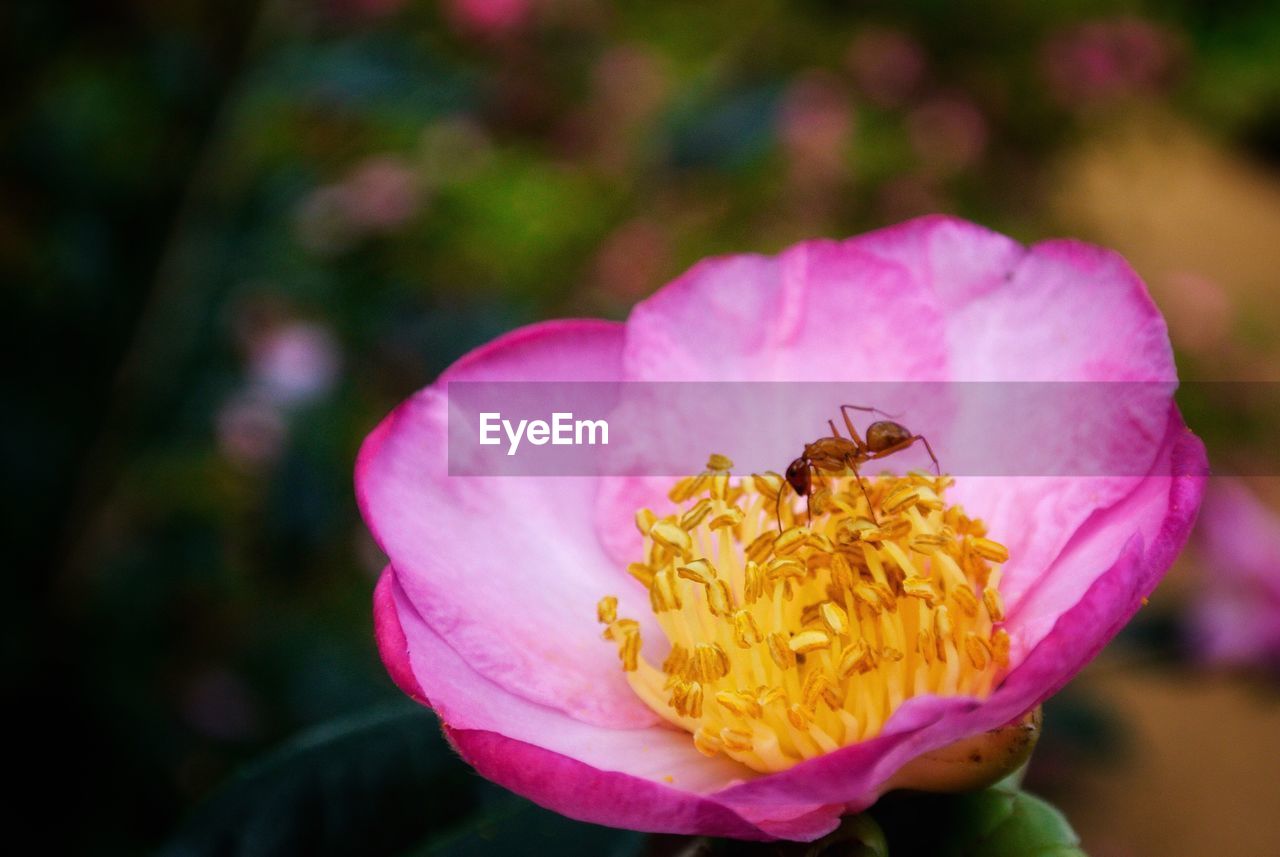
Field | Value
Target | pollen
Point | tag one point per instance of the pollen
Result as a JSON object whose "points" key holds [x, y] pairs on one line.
{"points": [[784, 643]]}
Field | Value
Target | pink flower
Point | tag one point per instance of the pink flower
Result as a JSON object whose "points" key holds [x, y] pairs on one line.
{"points": [[1107, 59], [488, 17], [1237, 620], [484, 612], [888, 65]]}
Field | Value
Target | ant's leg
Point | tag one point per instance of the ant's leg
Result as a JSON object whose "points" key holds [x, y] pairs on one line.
{"points": [[898, 447], [834, 431], [777, 507], [858, 478], [808, 508], [870, 410], [853, 433]]}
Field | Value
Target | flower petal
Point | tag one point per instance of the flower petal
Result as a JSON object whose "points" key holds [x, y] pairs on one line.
{"points": [[508, 570], [650, 778]]}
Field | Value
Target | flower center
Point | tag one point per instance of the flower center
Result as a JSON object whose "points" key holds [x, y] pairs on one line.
{"points": [[787, 645]]}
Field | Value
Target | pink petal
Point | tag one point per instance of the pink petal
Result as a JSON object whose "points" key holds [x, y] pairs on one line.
{"points": [[592, 773], [507, 570]]}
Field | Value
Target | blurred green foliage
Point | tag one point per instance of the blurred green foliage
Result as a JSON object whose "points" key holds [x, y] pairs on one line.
{"points": [[233, 235]]}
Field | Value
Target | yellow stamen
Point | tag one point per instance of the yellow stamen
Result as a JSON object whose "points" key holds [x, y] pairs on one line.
{"points": [[786, 645]]}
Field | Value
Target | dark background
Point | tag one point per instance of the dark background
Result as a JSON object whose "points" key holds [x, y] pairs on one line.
{"points": [[233, 235]]}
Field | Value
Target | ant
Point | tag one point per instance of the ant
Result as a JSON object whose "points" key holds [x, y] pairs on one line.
{"points": [[836, 454]]}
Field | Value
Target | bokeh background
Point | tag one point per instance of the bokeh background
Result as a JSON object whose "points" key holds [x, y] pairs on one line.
{"points": [[233, 235]]}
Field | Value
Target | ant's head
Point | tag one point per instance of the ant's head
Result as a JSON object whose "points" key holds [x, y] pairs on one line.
{"points": [[799, 477], [885, 434]]}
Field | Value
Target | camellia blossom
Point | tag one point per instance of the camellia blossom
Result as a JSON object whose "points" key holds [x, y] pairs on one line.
{"points": [[758, 683]]}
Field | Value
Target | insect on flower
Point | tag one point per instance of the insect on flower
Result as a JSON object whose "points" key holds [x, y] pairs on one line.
{"points": [[836, 454]]}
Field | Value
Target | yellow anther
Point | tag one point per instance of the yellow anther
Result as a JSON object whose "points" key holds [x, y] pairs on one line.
{"points": [[753, 582], [677, 662], [994, 603], [790, 541], [821, 543], [730, 517], [900, 499], [645, 520], [925, 646], [699, 513], [818, 688], [1000, 647], [965, 599], [746, 631], [798, 717], [739, 704], [834, 617], [671, 536], [870, 596], [719, 462], [735, 739], [641, 572], [706, 742], [841, 571], [710, 661], [780, 651], [914, 587], [665, 595], [976, 648], [719, 599], [784, 566], [761, 547], [989, 550], [767, 485], [629, 651], [607, 609], [856, 659], [928, 543], [809, 641], [687, 487], [699, 571], [720, 486]]}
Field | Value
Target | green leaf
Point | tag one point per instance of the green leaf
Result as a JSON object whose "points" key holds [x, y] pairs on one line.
{"points": [[998, 822], [371, 784]]}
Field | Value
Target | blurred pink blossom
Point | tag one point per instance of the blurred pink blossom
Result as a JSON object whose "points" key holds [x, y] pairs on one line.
{"points": [[815, 124], [381, 193], [1102, 60], [488, 17], [250, 430], [888, 65], [295, 363], [948, 132], [1236, 621]]}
